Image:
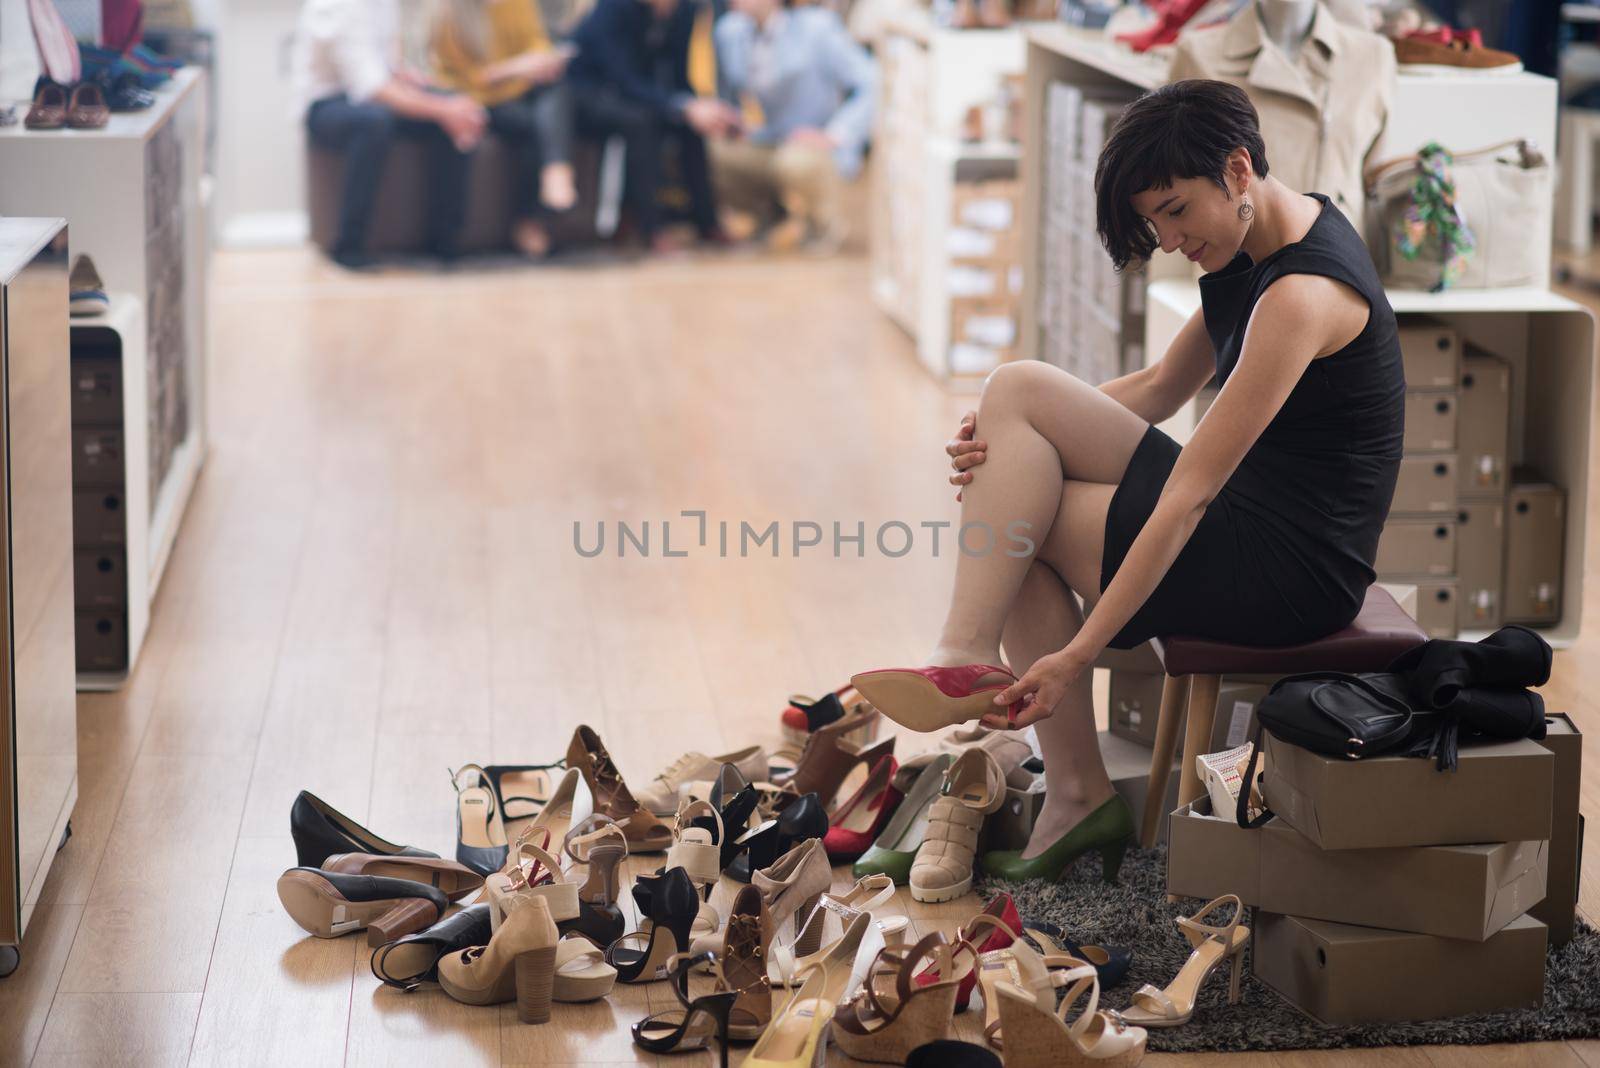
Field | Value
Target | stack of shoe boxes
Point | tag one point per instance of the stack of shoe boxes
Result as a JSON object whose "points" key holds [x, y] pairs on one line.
{"points": [[99, 521], [1483, 547], [1387, 890], [1092, 319], [1419, 542], [984, 278]]}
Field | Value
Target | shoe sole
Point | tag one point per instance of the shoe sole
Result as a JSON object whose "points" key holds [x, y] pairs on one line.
{"points": [[915, 702], [932, 896], [319, 908], [1443, 70]]}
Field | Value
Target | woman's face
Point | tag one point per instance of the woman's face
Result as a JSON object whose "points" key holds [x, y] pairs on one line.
{"points": [[1195, 218]]}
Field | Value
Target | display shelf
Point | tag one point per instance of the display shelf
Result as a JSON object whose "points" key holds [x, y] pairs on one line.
{"points": [[932, 76], [135, 192]]}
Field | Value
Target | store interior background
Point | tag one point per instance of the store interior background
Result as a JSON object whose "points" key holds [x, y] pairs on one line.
{"points": [[375, 580]]}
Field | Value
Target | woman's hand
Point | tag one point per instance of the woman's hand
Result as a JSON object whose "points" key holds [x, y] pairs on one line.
{"points": [[965, 451], [1039, 689]]}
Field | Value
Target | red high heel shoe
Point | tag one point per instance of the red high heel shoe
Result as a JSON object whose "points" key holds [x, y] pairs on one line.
{"points": [[1173, 18], [1004, 924], [933, 698], [859, 821]]}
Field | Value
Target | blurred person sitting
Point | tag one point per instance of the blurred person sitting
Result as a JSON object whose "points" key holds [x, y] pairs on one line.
{"points": [[815, 87], [358, 96], [498, 52], [630, 76]]}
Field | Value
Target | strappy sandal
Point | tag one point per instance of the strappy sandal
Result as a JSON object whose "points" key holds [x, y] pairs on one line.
{"points": [[885, 1026], [742, 965], [1212, 946], [1112, 962], [695, 1023], [670, 902], [582, 973], [600, 845], [534, 874], [1042, 1038], [1020, 965]]}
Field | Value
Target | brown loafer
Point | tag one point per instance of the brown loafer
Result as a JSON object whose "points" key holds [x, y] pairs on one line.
{"points": [[87, 110], [49, 110]]}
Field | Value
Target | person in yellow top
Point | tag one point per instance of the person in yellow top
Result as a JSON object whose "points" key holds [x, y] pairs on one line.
{"points": [[498, 52]]}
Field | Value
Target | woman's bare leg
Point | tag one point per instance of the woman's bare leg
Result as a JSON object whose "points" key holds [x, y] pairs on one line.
{"points": [[1042, 425], [1044, 618]]}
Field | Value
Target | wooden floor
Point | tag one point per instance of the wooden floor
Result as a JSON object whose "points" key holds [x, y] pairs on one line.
{"points": [[377, 581]]}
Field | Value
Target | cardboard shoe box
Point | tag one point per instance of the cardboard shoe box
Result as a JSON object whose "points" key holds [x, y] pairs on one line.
{"points": [[1344, 974], [1557, 910], [1480, 560], [1430, 422], [1136, 706], [1484, 428], [1128, 765], [1459, 891], [1497, 793], [1431, 353], [1412, 545], [1427, 483], [1535, 534], [1437, 611]]}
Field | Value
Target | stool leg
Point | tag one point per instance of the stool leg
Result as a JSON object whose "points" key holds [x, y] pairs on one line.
{"points": [[1197, 735], [1174, 695]]}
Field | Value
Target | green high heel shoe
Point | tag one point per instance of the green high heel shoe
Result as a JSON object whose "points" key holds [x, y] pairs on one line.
{"points": [[1108, 829], [897, 846]]}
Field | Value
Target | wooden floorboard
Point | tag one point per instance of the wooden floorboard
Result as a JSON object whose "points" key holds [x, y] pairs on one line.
{"points": [[377, 581]]}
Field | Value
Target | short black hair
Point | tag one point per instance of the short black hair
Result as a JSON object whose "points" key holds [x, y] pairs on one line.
{"points": [[1185, 129]]}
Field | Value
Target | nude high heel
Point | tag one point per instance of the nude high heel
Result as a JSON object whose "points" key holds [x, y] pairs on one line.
{"points": [[1212, 946], [518, 963], [536, 875]]}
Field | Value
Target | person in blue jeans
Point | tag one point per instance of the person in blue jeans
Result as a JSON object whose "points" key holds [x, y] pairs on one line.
{"points": [[630, 76], [358, 97]]}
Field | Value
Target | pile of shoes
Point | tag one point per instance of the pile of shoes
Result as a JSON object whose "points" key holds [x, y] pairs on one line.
{"points": [[532, 908]]}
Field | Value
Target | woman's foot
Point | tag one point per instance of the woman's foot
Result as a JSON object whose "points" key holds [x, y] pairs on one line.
{"points": [[558, 189], [531, 239], [1058, 816], [1107, 829]]}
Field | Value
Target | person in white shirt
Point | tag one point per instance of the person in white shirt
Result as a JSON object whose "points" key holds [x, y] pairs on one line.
{"points": [[358, 97]]}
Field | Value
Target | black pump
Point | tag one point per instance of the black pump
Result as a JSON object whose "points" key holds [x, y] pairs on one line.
{"points": [[319, 831], [801, 819]]}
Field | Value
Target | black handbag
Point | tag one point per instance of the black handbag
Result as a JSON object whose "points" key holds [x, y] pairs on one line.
{"points": [[1333, 713]]}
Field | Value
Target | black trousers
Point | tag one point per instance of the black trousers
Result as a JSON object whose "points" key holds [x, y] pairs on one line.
{"points": [[537, 130], [363, 132], [602, 111]]}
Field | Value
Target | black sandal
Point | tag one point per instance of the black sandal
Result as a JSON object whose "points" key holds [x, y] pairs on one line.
{"points": [[670, 902], [692, 1026], [407, 963]]}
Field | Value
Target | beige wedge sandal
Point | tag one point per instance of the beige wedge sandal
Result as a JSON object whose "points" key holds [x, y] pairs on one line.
{"points": [[973, 787], [1018, 964], [897, 1011], [1212, 946], [1042, 1038]]}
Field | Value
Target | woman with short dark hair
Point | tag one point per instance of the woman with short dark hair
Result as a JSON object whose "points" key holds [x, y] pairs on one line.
{"points": [[1260, 531]]}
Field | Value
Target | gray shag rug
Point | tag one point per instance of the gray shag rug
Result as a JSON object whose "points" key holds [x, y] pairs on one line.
{"points": [[1135, 913]]}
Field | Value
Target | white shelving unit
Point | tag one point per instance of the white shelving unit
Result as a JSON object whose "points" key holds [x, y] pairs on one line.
{"points": [[932, 76], [135, 200], [1548, 340]]}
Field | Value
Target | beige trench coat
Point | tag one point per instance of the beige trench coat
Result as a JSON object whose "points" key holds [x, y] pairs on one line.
{"points": [[1322, 113]]}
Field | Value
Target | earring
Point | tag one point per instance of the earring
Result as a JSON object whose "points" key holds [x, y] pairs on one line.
{"points": [[1247, 210]]}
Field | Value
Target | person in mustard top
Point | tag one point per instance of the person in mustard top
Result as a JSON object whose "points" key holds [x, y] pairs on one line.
{"points": [[498, 52]]}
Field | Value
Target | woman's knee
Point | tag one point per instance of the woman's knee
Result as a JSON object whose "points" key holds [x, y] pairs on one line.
{"points": [[1010, 385]]}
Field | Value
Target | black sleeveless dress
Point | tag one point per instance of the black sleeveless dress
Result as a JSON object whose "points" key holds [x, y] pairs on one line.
{"points": [[1284, 553]]}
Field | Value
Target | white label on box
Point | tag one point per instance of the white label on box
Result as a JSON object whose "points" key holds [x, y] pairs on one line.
{"points": [[1239, 723], [971, 282], [998, 331], [967, 242], [989, 213], [969, 359]]}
